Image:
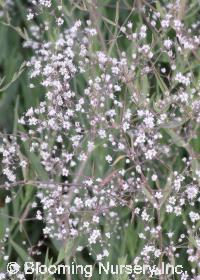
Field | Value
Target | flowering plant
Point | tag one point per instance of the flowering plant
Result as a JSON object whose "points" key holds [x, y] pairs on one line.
{"points": [[112, 146]]}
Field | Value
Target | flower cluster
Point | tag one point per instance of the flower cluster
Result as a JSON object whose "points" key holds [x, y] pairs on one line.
{"points": [[134, 114]]}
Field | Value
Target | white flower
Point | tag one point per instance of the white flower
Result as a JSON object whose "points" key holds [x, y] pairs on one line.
{"points": [[30, 16], [8, 199], [59, 21], [102, 133], [158, 195], [94, 236], [79, 248], [168, 44], [169, 208], [60, 210], [108, 158], [154, 177], [125, 126], [99, 257], [182, 79], [170, 234], [192, 192], [157, 253], [91, 146], [150, 154], [6, 258], [145, 216], [194, 216]]}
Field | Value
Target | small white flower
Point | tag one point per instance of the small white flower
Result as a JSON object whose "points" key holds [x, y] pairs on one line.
{"points": [[8, 199], [108, 158], [154, 177]]}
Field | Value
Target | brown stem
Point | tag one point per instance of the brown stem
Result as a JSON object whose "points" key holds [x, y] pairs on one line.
{"points": [[160, 240], [95, 18]]}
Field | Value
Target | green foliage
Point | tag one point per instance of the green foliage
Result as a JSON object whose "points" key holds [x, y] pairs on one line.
{"points": [[16, 97]]}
